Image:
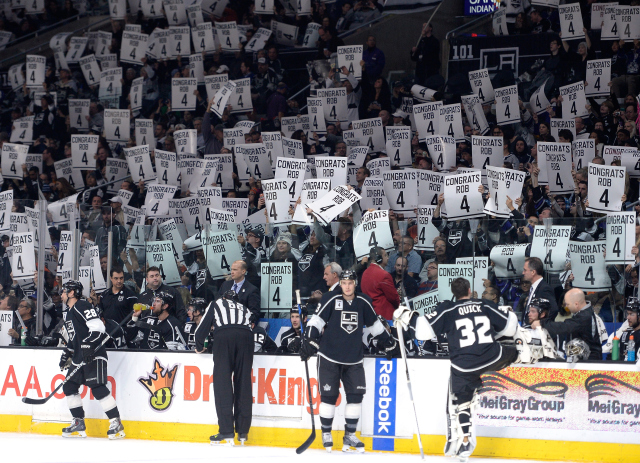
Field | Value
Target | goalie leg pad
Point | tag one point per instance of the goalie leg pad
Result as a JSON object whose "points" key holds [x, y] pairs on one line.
{"points": [[460, 421]]}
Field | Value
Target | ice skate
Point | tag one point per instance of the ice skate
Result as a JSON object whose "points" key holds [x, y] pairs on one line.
{"points": [[242, 437], [464, 452], [76, 429], [222, 439], [116, 430], [327, 441], [350, 443]]}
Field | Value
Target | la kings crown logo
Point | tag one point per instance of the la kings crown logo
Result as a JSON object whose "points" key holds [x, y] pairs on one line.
{"points": [[349, 321]]}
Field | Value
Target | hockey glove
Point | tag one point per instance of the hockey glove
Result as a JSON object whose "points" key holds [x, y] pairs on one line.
{"points": [[293, 346], [308, 348], [65, 359], [389, 346], [90, 345], [402, 316]]}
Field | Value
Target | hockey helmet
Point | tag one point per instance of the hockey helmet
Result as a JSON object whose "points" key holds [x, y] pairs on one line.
{"points": [[231, 295], [633, 305], [75, 286], [165, 296], [303, 310], [349, 275], [543, 305], [198, 303], [577, 349]]}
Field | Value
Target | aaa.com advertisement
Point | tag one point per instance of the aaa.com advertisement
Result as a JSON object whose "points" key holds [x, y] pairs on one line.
{"points": [[561, 399]]}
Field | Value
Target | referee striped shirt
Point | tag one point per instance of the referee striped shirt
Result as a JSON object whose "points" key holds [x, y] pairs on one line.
{"points": [[220, 314]]}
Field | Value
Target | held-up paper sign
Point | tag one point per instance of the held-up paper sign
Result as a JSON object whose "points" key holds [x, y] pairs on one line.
{"points": [[372, 231], [550, 246], [621, 237], [333, 204], [606, 187]]}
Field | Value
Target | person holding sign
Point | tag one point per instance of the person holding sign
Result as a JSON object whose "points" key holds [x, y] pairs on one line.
{"points": [[86, 332]]}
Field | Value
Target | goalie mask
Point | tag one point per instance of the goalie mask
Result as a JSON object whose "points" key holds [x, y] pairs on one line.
{"points": [[577, 349]]}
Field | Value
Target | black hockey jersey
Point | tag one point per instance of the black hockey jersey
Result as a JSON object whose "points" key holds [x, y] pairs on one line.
{"points": [[161, 334], [79, 320], [261, 340], [287, 337], [470, 326], [342, 322]]}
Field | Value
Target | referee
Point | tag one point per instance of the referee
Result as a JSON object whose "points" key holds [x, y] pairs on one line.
{"points": [[233, 354]]}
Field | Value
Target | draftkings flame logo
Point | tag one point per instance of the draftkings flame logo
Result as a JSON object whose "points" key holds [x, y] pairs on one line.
{"points": [[159, 383]]}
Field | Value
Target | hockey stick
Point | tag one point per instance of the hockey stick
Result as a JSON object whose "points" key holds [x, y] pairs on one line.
{"points": [[31, 401], [312, 437], [406, 366]]}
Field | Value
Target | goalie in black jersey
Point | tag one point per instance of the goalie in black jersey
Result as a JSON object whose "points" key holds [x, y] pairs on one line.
{"points": [[335, 333], [472, 327], [86, 332]]}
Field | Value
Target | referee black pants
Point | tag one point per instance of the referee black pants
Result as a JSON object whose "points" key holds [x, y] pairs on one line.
{"points": [[232, 362]]}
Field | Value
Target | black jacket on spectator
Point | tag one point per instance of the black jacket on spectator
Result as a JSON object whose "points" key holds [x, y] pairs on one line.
{"points": [[581, 325], [147, 296], [249, 295]]}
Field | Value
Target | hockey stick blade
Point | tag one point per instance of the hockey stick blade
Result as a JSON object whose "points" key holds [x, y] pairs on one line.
{"points": [[307, 443], [312, 437], [30, 401]]}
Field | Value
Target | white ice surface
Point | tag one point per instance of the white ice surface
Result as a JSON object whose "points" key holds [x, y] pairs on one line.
{"points": [[35, 448]]}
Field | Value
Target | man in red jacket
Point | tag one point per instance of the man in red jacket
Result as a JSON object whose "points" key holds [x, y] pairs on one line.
{"points": [[377, 283]]}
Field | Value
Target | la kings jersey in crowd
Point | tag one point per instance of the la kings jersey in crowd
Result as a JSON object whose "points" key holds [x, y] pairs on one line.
{"points": [[470, 326], [343, 323], [78, 321]]}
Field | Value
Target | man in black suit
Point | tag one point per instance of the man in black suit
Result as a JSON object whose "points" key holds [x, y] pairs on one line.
{"points": [[533, 272], [248, 294]]}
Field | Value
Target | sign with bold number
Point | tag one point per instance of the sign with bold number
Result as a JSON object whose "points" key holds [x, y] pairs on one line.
{"points": [[550, 246], [83, 151], [23, 261], [78, 113], [157, 199], [35, 70], [166, 167], [116, 125], [222, 97], [584, 150], [315, 107], [350, 56], [401, 191], [175, 12], [60, 210], [334, 203], [203, 41], [64, 169], [606, 187], [103, 42], [263, 7], [335, 104], [117, 9], [23, 130], [423, 94], [33, 222], [430, 185], [186, 142], [13, 156], [110, 83], [16, 79], [621, 237], [558, 164], [286, 34], [509, 260], [312, 190], [90, 69], [144, 133], [277, 291], [160, 254], [135, 94], [311, 36], [140, 166], [449, 272], [372, 231], [293, 170], [179, 41], [240, 99], [588, 266], [223, 177], [475, 113], [598, 77], [65, 252], [133, 48], [609, 22], [450, 121], [210, 197], [255, 156], [507, 109], [442, 151], [228, 36], [574, 101], [502, 183], [628, 21], [76, 49], [214, 7], [259, 40], [486, 151], [370, 132], [398, 146], [461, 195], [427, 232], [183, 96], [332, 167], [628, 156], [426, 116], [571, 21], [539, 101], [481, 85], [116, 169]]}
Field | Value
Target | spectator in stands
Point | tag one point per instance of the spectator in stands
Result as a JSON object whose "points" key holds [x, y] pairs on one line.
{"points": [[312, 263], [378, 284], [374, 60], [539, 25], [430, 282], [119, 235], [328, 42], [405, 249], [363, 12], [405, 284], [582, 324], [332, 276], [629, 82], [426, 55], [9, 302], [277, 104], [27, 312]]}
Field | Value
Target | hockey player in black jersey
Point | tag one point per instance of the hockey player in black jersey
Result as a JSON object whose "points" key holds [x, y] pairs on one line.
{"points": [[233, 353], [290, 340], [262, 342], [335, 333], [472, 327], [161, 330], [86, 332], [633, 319], [195, 311]]}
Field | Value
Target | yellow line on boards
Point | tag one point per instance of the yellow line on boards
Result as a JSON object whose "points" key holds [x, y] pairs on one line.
{"points": [[287, 437]]}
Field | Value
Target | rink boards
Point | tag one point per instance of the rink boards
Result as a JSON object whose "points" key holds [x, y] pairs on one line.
{"points": [[554, 411]]}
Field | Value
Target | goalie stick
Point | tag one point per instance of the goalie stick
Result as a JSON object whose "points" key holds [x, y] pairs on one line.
{"points": [[312, 437], [399, 330], [30, 401]]}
